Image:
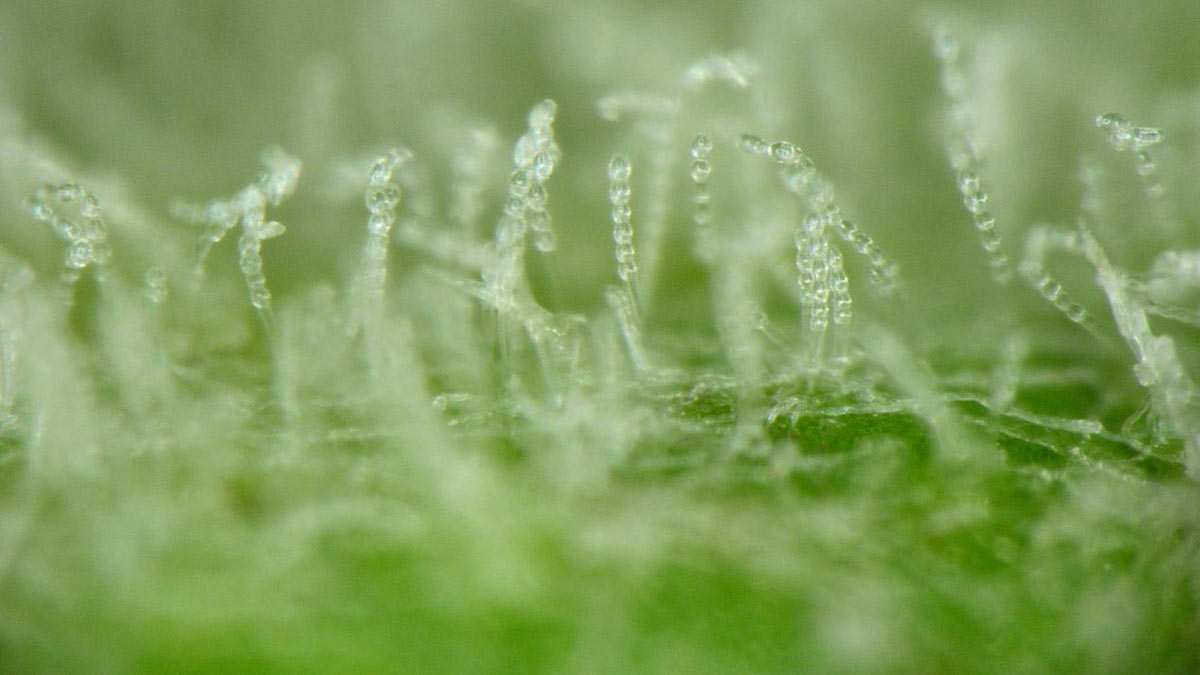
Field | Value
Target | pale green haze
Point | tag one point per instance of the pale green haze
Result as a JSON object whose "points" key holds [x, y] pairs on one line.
{"points": [[599, 337]]}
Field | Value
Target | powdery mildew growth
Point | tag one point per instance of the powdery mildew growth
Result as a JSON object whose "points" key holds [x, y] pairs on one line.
{"points": [[687, 407]]}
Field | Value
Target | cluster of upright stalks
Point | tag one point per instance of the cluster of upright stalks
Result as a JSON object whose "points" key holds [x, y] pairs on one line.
{"points": [[741, 257]]}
